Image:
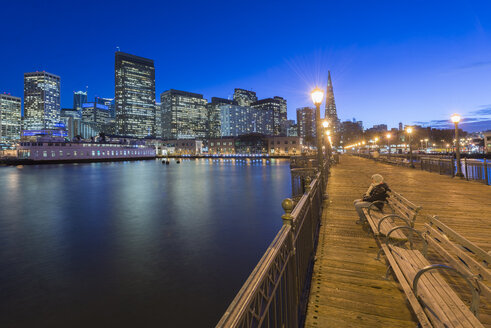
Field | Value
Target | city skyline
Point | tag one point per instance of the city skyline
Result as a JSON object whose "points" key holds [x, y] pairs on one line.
{"points": [[389, 62]]}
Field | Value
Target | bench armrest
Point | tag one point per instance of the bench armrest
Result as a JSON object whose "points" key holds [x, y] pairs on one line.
{"points": [[392, 216], [425, 243], [475, 294], [374, 204]]}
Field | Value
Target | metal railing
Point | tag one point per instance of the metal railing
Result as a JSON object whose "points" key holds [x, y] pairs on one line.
{"points": [[438, 164], [472, 169], [276, 292]]}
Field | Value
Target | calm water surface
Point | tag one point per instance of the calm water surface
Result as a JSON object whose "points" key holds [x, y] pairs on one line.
{"points": [[136, 244]]}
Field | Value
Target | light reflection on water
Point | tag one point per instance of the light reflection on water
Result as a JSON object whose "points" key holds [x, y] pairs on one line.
{"points": [[133, 244]]}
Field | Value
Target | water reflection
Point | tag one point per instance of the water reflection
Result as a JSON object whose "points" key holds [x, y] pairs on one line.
{"points": [[133, 244]]}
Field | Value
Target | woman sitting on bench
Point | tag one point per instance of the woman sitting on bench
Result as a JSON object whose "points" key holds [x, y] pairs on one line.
{"points": [[377, 191]]}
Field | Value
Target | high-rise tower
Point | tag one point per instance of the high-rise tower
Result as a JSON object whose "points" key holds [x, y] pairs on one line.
{"points": [[331, 112], [41, 100], [135, 95]]}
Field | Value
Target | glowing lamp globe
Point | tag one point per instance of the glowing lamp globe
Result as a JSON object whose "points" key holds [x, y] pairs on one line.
{"points": [[409, 130], [388, 136], [317, 96], [455, 118], [325, 124]]}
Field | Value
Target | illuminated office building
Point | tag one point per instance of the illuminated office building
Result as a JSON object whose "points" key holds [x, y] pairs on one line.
{"points": [[306, 124], [79, 98], [238, 120], [135, 95], [214, 115], [277, 106], [41, 100], [184, 115], [158, 120], [109, 102], [10, 118], [244, 97]]}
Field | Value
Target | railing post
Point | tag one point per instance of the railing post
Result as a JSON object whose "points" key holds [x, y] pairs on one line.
{"points": [[466, 170], [295, 290], [486, 177], [307, 182], [287, 205]]}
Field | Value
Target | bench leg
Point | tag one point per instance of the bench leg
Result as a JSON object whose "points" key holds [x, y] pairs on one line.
{"points": [[389, 268], [380, 251]]}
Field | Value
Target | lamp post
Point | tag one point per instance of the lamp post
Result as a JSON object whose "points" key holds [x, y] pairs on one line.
{"points": [[388, 143], [325, 125], [317, 97], [409, 131], [456, 119]]}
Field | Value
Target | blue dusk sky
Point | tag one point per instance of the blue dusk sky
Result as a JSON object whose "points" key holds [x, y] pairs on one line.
{"points": [[415, 62]]}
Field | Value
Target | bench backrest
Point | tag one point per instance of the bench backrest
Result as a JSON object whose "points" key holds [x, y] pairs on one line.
{"points": [[403, 207], [460, 253]]}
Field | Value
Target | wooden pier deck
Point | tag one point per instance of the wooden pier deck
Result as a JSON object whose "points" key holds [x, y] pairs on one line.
{"points": [[347, 285]]}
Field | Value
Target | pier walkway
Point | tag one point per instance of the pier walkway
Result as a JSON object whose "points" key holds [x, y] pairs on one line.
{"points": [[347, 286]]}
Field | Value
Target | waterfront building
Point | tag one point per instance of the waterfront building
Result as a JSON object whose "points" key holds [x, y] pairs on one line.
{"points": [[190, 147], [238, 120], [277, 106], [184, 115], [281, 145], [10, 118], [221, 146], [244, 97], [306, 124], [135, 95], [79, 98], [41, 100], [214, 115]]}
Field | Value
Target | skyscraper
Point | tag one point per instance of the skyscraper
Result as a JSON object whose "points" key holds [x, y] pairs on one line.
{"points": [[244, 97], [184, 115], [109, 102], [214, 115], [41, 100], [331, 112], [79, 98], [135, 95], [306, 124], [10, 118], [277, 106]]}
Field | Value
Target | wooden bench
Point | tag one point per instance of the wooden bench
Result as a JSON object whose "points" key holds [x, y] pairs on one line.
{"points": [[402, 210], [460, 253], [433, 300]]}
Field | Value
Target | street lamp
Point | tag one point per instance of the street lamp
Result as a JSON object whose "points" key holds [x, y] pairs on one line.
{"points": [[409, 131], [388, 144], [317, 97], [456, 119]]}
